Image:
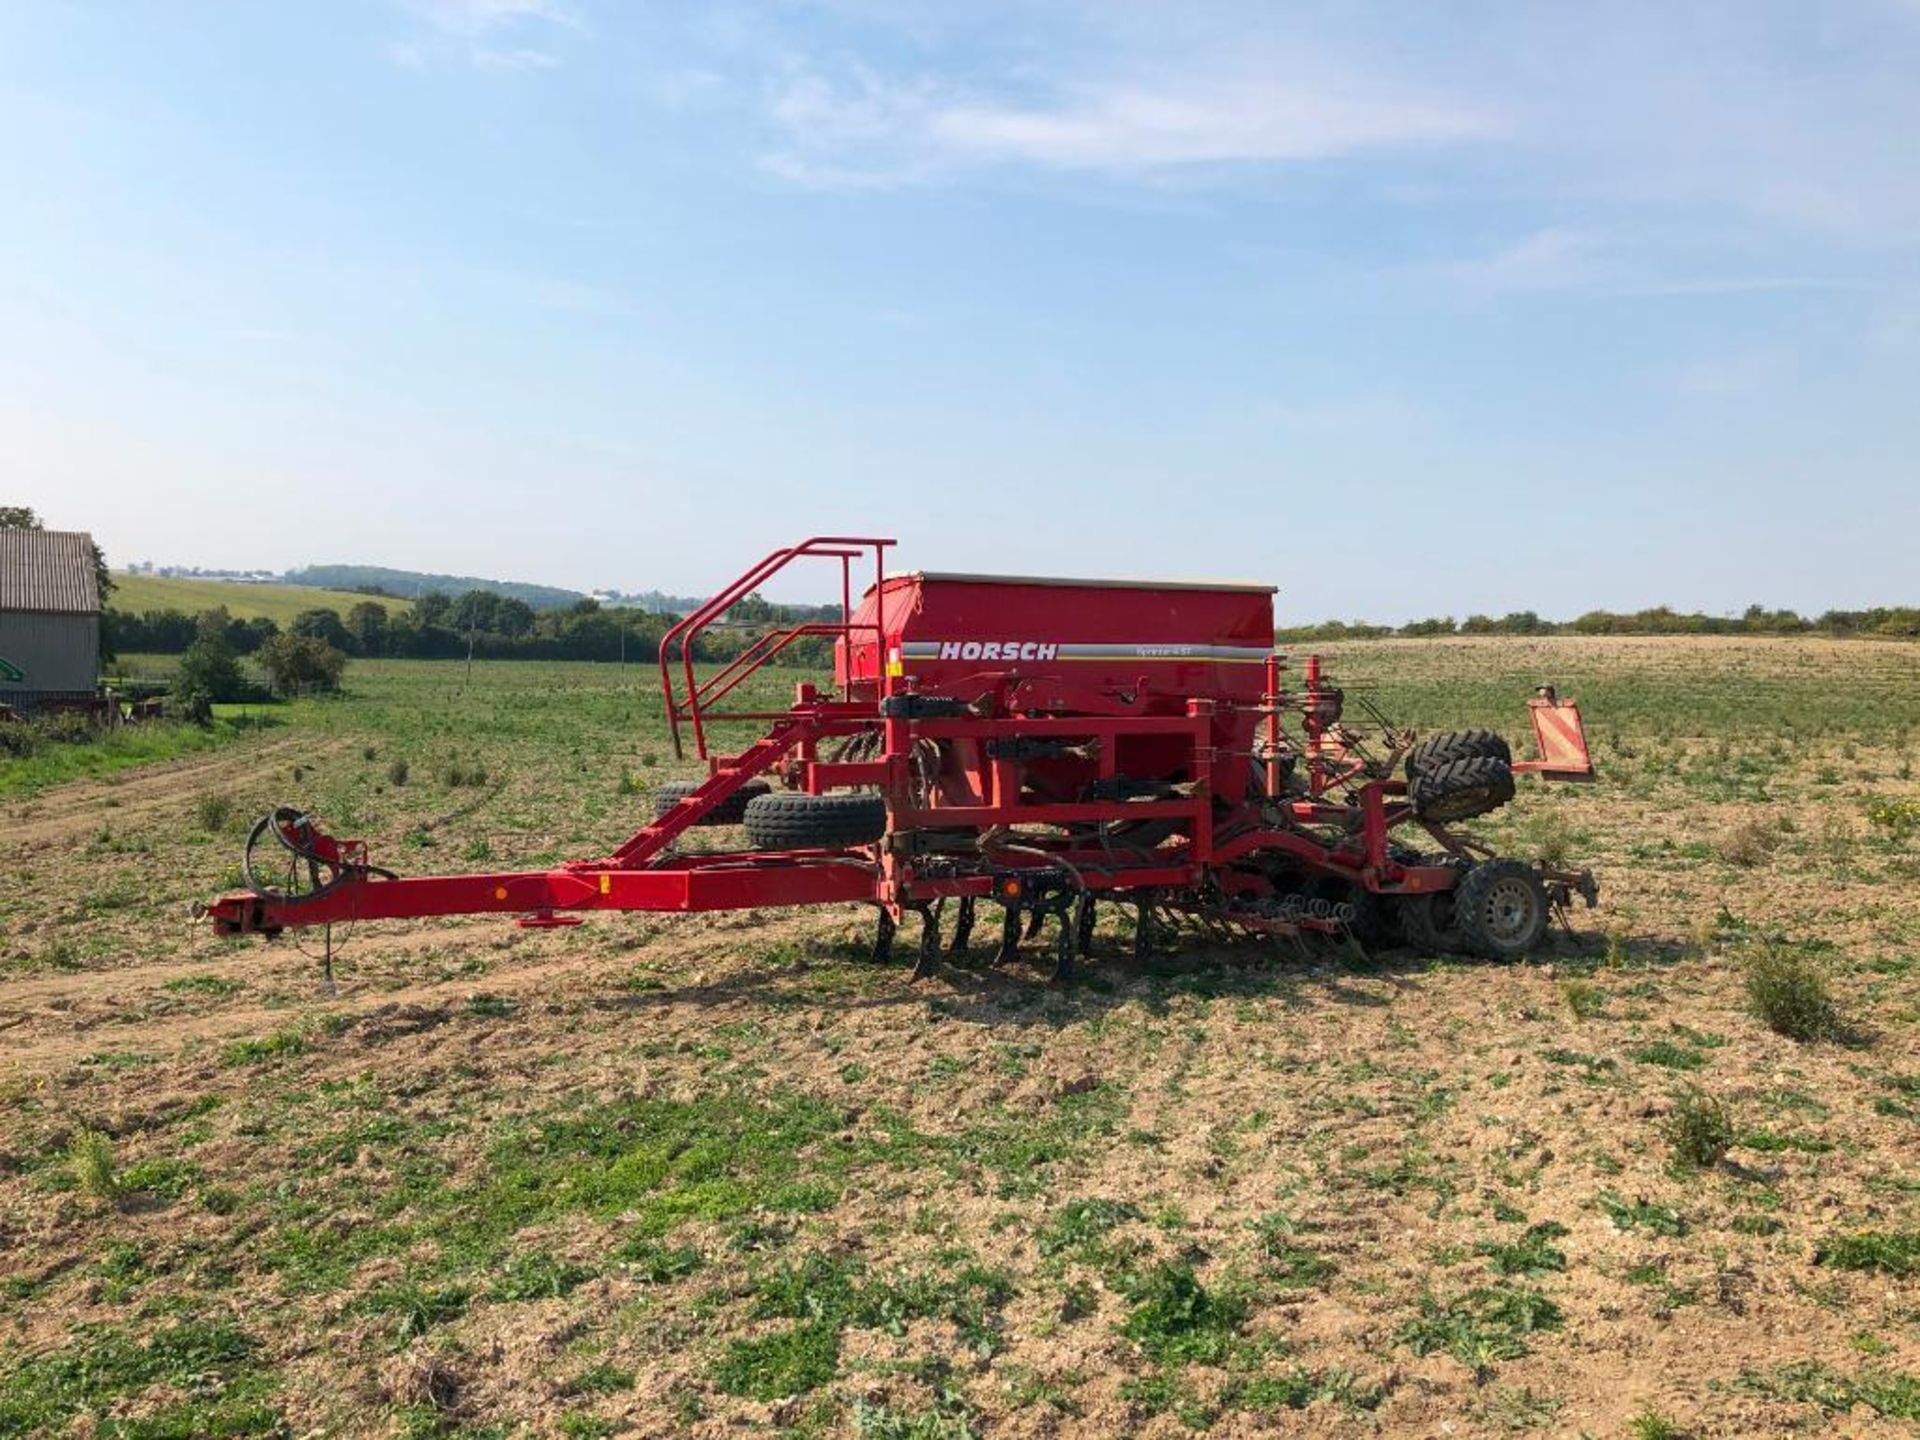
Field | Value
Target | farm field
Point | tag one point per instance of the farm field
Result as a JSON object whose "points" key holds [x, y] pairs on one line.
{"points": [[135, 594], [718, 1175]]}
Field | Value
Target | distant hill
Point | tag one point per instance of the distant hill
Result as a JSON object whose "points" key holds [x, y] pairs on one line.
{"points": [[135, 594], [415, 583]]}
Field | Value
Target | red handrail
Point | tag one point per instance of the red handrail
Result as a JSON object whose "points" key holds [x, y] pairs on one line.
{"points": [[685, 630]]}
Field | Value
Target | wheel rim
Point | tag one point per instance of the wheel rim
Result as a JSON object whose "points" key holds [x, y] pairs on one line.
{"points": [[1511, 911]]}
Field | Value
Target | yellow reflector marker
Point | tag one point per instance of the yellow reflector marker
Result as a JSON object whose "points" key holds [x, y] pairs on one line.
{"points": [[606, 883]]}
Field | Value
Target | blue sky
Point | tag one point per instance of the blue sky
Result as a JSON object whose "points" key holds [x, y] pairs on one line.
{"points": [[1409, 309]]}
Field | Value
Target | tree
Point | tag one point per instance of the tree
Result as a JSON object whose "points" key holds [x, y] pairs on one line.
{"points": [[297, 663], [476, 610], [208, 673], [432, 608], [513, 618], [247, 636], [367, 623], [321, 625]]}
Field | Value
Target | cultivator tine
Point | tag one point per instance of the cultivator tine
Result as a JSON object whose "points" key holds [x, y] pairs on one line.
{"points": [[1143, 930], [1009, 936], [962, 927], [883, 939], [1072, 926], [929, 959], [1084, 921], [1037, 916]]}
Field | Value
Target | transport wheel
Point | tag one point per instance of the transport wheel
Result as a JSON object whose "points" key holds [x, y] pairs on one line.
{"points": [[1461, 789], [815, 822], [1501, 907], [730, 811], [1457, 745], [1431, 922]]}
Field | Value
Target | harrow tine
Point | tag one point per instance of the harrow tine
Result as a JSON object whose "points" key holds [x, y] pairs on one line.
{"points": [[929, 958], [883, 939], [962, 927], [1071, 928], [1009, 936]]}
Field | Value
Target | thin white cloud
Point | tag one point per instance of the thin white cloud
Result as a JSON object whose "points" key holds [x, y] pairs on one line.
{"points": [[1750, 284], [1730, 376], [517, 59], [483, 17], [862, 129], [1371, 416], [493, 35], [1549, 259]]}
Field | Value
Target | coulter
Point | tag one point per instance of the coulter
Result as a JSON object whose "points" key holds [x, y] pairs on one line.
{"points": [[1042, 744]]}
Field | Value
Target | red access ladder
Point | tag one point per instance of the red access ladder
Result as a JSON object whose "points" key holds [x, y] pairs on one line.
{"points": [[695, 700]]}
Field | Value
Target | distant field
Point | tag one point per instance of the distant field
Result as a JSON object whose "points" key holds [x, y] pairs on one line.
{"points": [[135, 593]]}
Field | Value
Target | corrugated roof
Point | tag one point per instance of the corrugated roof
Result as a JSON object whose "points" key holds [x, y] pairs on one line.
{"points": [[47, 570]]}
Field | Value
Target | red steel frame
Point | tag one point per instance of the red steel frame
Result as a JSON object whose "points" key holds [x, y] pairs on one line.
{"points": [[1218, 825]]}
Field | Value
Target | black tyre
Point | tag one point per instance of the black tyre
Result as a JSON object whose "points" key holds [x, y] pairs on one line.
{"points": [[1501, 907], [1461, 789], [1376, 922], [1431, 922], [815, 822], [730, 811], [1437, 750]]}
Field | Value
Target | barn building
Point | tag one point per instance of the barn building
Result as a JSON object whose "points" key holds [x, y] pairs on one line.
{"points": [[49, 618]]}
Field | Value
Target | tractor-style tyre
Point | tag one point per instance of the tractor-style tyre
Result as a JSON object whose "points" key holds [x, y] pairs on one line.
{"points": [[1461, 789], [1437, 750], [815, 822], [1501, 908], [730, 811], [1431, 923]]}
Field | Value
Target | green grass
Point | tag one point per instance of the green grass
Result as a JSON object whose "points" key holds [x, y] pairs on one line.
{"points": [[1079, 1228], [1792, 996], [279, 603], [116, 750], [789, 1361], [1532, 1254], [211, 1366], [1884, 1392], [1699, 1130], [90, 1153], [1650, 1424], [1481, 1327], [1177, 1320], [1668, 1055], [1641, 1214], [1891, 1252]]}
